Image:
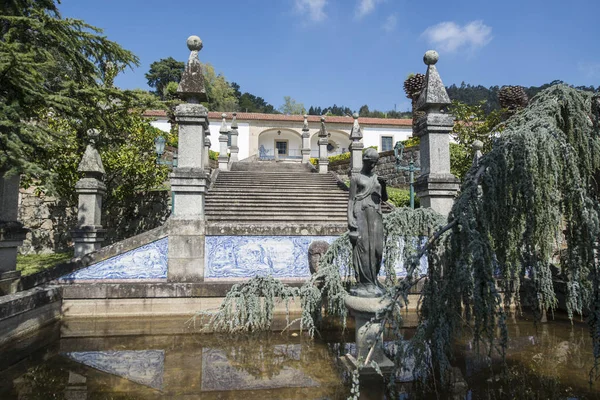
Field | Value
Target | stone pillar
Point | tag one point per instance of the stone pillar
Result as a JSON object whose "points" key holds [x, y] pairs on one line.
{"points": [[189, 181], [436, 187], [12, 233], [206, 154], [356, 147], [234, 149], [323, 142], [223, 139], [305, 141], [89, 235]]}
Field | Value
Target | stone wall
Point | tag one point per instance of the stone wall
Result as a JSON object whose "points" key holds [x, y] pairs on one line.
{"points": [[386, 168], [51, 220]]}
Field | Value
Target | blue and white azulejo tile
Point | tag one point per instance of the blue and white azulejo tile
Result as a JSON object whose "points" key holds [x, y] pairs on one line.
{"points": [[249, 256], [148, 262]]}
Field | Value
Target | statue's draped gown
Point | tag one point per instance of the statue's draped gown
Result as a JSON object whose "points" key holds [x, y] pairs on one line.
{"points": [[366, 212]]}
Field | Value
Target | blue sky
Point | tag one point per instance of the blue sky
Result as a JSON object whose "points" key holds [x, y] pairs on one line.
{"points": [[355, 52]]}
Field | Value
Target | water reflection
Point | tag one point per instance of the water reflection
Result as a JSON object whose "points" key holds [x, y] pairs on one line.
{"points": [[102, 361], [269, 366]]}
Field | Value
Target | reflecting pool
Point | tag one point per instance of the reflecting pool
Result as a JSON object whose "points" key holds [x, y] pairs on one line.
{"points": [[166, 359]]}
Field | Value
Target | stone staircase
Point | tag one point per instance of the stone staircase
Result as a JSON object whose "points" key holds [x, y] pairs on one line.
{"points": [[270, 193]]}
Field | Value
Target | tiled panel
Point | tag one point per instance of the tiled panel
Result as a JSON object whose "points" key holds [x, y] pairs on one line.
{"points": [[248, 256], [148, 262]]}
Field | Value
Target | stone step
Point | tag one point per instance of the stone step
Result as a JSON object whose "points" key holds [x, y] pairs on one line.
{"points": [[307, 177], [277, 178], [269, 166], [274, 177], [271, 180], [275, 191], [288, 218], [264, 187], [272, 202], [243, 208], [295, 211], [273, 173], [275, 194]]}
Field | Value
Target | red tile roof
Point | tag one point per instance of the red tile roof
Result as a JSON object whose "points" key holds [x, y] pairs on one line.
{"points": [[216, 116]]}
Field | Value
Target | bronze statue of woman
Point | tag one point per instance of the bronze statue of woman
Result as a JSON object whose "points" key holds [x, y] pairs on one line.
{"points": [[365, 224]]}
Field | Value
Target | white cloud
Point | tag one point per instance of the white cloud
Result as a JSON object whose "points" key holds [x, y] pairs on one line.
{"points": [[590, 70], [365, 7], [314, 8], [449, 36], [390, 23]]}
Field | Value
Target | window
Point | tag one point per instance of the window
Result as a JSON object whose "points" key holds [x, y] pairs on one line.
{"points": [[387, 143], [282, 147]]}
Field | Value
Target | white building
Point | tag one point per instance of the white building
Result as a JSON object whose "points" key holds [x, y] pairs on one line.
{"points": [[261, 134]]}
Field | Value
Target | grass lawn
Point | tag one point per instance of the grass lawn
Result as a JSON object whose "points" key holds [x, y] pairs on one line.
{"points": [[32, 263]]}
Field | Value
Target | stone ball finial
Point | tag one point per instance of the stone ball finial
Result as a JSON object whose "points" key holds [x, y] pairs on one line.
{"points": [[431, 57], [223, 115], [194, 43], [478, 145], [355, 115], [93, 135], [305, 116], [322, 119], [234, 113]]}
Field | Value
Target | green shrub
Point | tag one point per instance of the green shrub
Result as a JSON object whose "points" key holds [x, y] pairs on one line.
{"points": [[213, 155], [400, 197], [412, 141], [339, 157], [314, 161]]}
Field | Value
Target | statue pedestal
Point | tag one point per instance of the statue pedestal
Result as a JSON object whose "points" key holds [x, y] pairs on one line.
{"points": [[364, 309]]}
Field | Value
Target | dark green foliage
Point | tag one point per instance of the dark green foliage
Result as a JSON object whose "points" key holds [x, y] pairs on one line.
{"points": [[163, 72], [472, 123], [50, 65], [342, 111], [248, 102], [475, 94]]}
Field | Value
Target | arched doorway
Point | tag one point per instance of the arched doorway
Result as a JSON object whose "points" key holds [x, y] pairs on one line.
{"points": [[338, 143], [287, 143]]}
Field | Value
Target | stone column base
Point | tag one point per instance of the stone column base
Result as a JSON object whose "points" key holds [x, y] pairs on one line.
{"points": [[305, 156], [323, 166], [186, 250], [233, 154], [189, 187], [364, 309], [87, 240], [437, 191], [224, 163], [12, 235], [9, 282]]}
